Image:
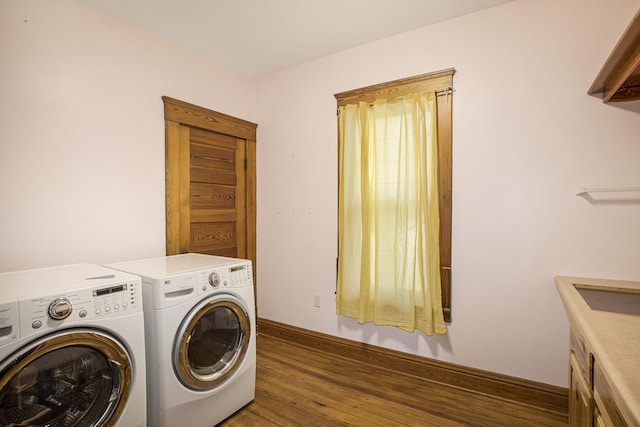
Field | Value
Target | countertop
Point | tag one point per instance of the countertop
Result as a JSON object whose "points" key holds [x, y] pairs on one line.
{"points": [[614, 339]]}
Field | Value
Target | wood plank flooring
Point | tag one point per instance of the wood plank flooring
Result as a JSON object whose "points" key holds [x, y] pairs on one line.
{"points": [[300, 386]]}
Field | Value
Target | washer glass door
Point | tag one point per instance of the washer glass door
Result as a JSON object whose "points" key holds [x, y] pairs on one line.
{"points": [[77, 378], [212, 342]]}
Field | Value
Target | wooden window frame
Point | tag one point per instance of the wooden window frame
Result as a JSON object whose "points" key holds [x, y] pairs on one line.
{"points": [[440, 82]]}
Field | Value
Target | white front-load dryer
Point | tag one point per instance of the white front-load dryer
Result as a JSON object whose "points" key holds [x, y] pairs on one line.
{"points": [[72, 348], [201, 337]]}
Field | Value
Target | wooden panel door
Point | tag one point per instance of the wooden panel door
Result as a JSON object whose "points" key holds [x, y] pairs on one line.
{"points": [[217, 195], [210, 182]]}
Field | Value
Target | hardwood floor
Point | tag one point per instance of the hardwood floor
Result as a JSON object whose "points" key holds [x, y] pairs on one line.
{"points": [[300, 386]]}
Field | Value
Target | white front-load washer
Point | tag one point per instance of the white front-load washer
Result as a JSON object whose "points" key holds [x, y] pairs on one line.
{"points": [[201, 337], [72, 348]]}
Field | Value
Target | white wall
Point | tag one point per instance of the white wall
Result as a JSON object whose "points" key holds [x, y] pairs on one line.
{"points": [[82, 162], [82, 150], [525, 134]]}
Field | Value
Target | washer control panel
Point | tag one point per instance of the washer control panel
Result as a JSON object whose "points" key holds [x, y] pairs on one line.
{"points": [[53, 310], [232, 276], [123, 297], [9, 322]]}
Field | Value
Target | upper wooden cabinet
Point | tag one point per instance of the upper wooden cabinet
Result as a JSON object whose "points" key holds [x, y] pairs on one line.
{"points": [[619, 78]]}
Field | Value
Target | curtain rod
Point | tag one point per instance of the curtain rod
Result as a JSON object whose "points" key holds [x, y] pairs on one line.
{"points": [[445, 91]]}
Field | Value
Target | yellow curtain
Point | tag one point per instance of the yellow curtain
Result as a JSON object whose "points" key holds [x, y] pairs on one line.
{"points": [[388, 221]]}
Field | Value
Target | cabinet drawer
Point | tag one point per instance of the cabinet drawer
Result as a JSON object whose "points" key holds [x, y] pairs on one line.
{"points": [[608, 409], [582, 353]]}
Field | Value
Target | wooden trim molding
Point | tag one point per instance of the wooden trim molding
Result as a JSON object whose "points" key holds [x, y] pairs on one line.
{"points": [[435, 81], [193, 115], [542, 396]]}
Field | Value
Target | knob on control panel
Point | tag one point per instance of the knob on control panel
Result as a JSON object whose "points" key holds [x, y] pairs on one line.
{"points": [[214, 279], [59, 309]]}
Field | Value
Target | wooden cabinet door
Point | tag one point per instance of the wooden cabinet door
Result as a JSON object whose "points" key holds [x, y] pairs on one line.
{"points": [[210, 182], [580, 402], [608, 411]]}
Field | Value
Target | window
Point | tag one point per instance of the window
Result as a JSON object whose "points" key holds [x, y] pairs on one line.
{"points": [[387, 221]]}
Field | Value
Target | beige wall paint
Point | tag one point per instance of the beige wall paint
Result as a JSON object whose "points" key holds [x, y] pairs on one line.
{"points": [[82, 151], [525, 134], [82, 163]]}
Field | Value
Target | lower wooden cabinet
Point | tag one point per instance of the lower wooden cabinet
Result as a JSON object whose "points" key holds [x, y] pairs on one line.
{"points": [[591, 402], [609, 413]]}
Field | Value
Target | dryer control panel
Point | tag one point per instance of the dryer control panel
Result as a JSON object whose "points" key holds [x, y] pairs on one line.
{"points": [[54, 310], [232, 276]]}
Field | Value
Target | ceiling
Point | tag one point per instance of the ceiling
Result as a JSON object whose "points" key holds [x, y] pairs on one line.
{"points": [[257, 37]]}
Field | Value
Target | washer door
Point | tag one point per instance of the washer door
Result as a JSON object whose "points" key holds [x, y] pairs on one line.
{"points": [[74, 378], [212, 342]]}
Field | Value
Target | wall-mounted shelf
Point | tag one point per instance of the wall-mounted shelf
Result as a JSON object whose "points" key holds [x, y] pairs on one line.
{"points": [[619, 78], [581, 191]]}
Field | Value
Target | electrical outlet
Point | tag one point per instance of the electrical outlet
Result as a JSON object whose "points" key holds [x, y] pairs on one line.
{"points": [[316, 300]]}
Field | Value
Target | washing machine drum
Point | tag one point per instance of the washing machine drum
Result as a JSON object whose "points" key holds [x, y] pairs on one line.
{"points": [[75, 378], [212, 342]]}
